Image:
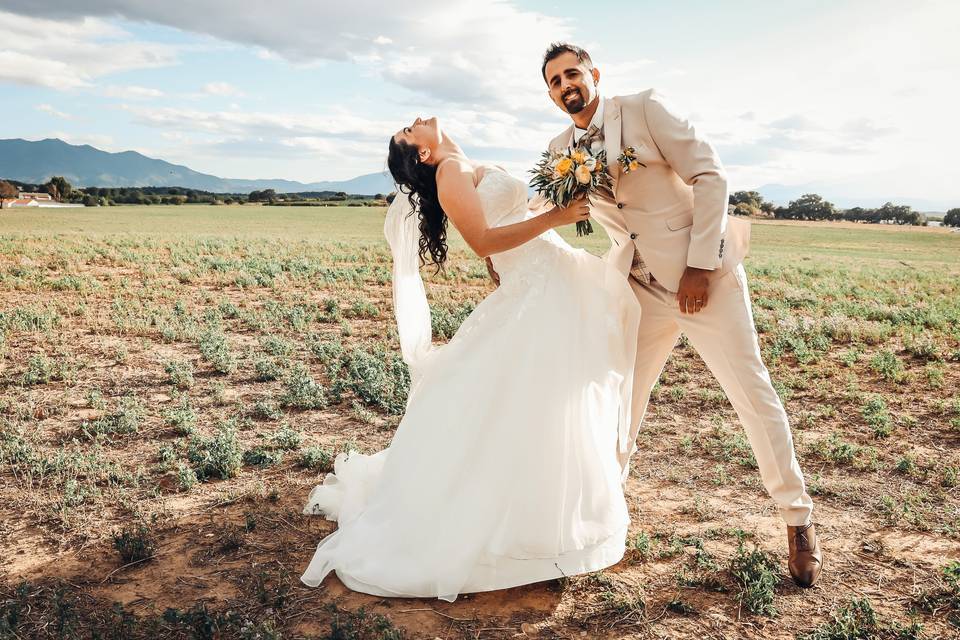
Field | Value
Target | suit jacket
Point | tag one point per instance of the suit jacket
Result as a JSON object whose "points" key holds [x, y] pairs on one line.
{"points": [[674, 210]]}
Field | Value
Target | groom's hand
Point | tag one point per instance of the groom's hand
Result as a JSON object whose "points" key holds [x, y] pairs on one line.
{"points": [[493, 274], [692, 294]]}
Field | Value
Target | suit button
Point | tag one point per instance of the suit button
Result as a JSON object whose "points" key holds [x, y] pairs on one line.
{"points": [[619, 205], [633, 236]]}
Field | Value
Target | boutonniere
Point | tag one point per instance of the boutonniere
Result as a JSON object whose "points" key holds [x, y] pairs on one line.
{"points": [[628, 160]]}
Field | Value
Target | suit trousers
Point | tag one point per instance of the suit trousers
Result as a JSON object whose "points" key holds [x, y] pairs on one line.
{"points": [[724, 335]]}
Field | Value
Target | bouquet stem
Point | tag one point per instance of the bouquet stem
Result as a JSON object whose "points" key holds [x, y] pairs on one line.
{"points": [[584, 228]]}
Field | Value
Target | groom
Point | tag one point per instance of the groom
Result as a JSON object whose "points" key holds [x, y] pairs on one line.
{"points": [[671, 236]]}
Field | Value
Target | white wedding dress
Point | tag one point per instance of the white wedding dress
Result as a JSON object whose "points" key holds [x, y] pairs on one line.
{"points": [[504, 468]]}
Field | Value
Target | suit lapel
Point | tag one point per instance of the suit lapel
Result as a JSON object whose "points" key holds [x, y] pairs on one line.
{"points": [[567, 138], [611, 137]]}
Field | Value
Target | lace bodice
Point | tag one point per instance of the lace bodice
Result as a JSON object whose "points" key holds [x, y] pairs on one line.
{"points": [[504, 201], [503, 197]]}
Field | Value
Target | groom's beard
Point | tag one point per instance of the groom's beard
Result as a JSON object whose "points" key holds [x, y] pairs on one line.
{"points": [[574, 102]]}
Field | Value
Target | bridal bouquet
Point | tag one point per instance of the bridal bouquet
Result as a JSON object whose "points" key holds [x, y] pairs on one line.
{"points": [[563, 176]]}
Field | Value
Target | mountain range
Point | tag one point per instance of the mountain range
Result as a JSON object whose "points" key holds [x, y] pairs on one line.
{"points": [[85, 166]]}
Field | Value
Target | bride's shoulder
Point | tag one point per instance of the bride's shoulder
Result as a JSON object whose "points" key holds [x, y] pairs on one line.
{"points": [[452, 168]]}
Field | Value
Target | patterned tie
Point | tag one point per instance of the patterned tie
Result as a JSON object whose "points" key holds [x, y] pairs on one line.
{"points": [[638, 268], [593, 134]]}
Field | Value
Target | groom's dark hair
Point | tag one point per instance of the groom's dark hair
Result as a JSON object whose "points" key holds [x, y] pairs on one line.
{"points": [[557, 49]]}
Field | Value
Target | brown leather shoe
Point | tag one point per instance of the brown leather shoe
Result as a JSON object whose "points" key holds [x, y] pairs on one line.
{"points": [[806, 559]]}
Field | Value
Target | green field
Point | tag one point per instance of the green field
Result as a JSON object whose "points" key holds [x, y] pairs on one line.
{"points": [[176, 379]]}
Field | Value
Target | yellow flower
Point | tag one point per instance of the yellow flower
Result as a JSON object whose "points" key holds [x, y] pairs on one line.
{"points": [[578, 157], [564, 166], [583, 174], [634, 165]]}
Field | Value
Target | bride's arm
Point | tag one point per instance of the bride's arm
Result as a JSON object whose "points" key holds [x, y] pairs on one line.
{"points": [[459, 199]]}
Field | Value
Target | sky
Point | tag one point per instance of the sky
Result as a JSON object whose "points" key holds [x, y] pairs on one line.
{"points": [[851, 98]]}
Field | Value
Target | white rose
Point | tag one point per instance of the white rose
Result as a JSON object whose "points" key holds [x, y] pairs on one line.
{"points": [[583, 174]]}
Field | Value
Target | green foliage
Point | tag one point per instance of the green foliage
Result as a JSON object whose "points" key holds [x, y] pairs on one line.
{"points": [[730, 447], [186, 477], [945, 595], [446, 320], [126, 419], [378, 378], [286, 438], [640, 544], [316, 459], [876, 415], [808, 207], [276, 346], [858, 621], [362, 308], [889, 213], [301, 390], [921, 344], [179, 373], [888, 365], [181, 416], [216, 456], [757, 575], [40, 370], [361, 625], [262, 457], [266, 410], [750, 203], [266, 370], [837, 450], [216, 351], [952, 218], [134, 544]]}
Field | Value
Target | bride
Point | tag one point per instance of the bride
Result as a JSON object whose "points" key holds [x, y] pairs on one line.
{"points": [[504, 468]]}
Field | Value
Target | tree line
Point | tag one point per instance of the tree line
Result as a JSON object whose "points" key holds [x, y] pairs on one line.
{"points": [[814, 207], [744, 203], [61, 190]]}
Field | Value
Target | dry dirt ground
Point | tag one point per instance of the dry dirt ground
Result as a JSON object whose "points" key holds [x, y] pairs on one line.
{"points": [[167, 402]]}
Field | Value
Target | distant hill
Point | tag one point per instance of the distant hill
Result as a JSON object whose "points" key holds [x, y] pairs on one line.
{"points": [[86, 166]]}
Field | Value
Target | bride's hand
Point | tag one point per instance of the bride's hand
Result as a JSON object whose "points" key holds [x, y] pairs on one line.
{"points": [[576, 211]]}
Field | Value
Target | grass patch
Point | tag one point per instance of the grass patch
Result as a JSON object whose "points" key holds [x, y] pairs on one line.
{"points": [[216, 456]]}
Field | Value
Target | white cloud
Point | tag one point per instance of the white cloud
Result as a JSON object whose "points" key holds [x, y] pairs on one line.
{"points": [[451, 50], [338, 124], [221, 89], [71, 54], [868, 109], [132, 92], [337, 144], [46, 108]]}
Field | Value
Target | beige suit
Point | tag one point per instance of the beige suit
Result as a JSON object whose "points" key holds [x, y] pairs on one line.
{"points": [[674, 211]]}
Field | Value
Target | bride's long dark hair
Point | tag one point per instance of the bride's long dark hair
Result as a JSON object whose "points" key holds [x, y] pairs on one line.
{"points": [[418, 181]]}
